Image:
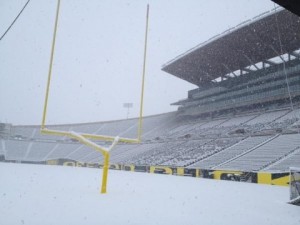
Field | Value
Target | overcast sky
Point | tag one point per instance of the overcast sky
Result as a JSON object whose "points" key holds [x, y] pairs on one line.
{"points": [[99, 54]]}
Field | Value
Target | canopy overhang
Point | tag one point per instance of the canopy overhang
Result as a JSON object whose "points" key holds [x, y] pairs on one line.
{"points": [[264, 37]]}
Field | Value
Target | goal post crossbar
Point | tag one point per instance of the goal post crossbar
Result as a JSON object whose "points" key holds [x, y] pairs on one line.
{"points": [[90, 136]]}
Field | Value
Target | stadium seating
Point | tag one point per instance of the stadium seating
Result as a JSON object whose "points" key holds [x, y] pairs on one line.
{"points": [[230, 152], [266, 84], [264, 155], [267, 117], [116, 128], [236, 121], [62, 151], [90, 128], [94, 157], [292, 160], [157, 154], [226, 142], [2, 147], [39, 150], [208, 149], [292, 115], [24, 132], [80, 152], [16, 150]]}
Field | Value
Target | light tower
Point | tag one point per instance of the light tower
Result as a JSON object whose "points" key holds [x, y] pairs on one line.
{"points": [[127, 105]]}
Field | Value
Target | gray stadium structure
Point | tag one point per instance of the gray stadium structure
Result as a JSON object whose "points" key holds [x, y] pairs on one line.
{"points": [[244, 115]]}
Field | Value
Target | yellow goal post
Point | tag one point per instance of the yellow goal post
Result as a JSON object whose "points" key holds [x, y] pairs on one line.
{"points": [[84, 138]]}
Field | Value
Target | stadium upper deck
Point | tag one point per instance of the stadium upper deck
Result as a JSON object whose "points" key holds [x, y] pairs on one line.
{"points": [[266, 36], [254, 64]]}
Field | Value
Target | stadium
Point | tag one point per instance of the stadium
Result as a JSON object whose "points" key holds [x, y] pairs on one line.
{"points": [[242, 123]]}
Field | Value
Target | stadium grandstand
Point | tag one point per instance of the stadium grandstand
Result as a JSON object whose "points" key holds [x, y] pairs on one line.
{"points": [[244, 115], [253, 64]]}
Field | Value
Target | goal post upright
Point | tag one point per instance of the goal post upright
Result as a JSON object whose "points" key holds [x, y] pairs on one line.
{"points": [[83, 138], [50, 67], [143, 78]]}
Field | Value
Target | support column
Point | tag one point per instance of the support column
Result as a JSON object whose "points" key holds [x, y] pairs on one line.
{"points": [[105, 172]]}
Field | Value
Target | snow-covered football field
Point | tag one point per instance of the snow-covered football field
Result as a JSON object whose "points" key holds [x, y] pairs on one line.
{"points": [[40, 194]]}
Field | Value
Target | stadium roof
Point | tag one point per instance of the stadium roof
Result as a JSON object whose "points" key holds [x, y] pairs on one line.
{"points": [[291, 5], [249, 43]]}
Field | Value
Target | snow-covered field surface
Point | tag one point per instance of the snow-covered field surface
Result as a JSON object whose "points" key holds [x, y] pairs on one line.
{"points": [[40, 195]]}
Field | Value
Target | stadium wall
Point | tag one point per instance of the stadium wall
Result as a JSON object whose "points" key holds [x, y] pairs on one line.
{"points": [[280, 178]]}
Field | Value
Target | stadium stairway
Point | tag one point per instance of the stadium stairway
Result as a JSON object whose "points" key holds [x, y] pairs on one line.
{"points": [[292, 159]]}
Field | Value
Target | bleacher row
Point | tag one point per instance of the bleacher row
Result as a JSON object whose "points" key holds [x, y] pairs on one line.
{"points": [[250, 142], [266, 85]]}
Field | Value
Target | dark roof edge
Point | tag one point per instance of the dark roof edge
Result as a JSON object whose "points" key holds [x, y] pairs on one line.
{"points": [[226, 32]]}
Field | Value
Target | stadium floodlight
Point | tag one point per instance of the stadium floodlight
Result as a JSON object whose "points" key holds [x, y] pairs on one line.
{"points": [[127, 105], [84, 138]]}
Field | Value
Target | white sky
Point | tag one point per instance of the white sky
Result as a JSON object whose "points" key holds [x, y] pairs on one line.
{"points": [[99, 54]]}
